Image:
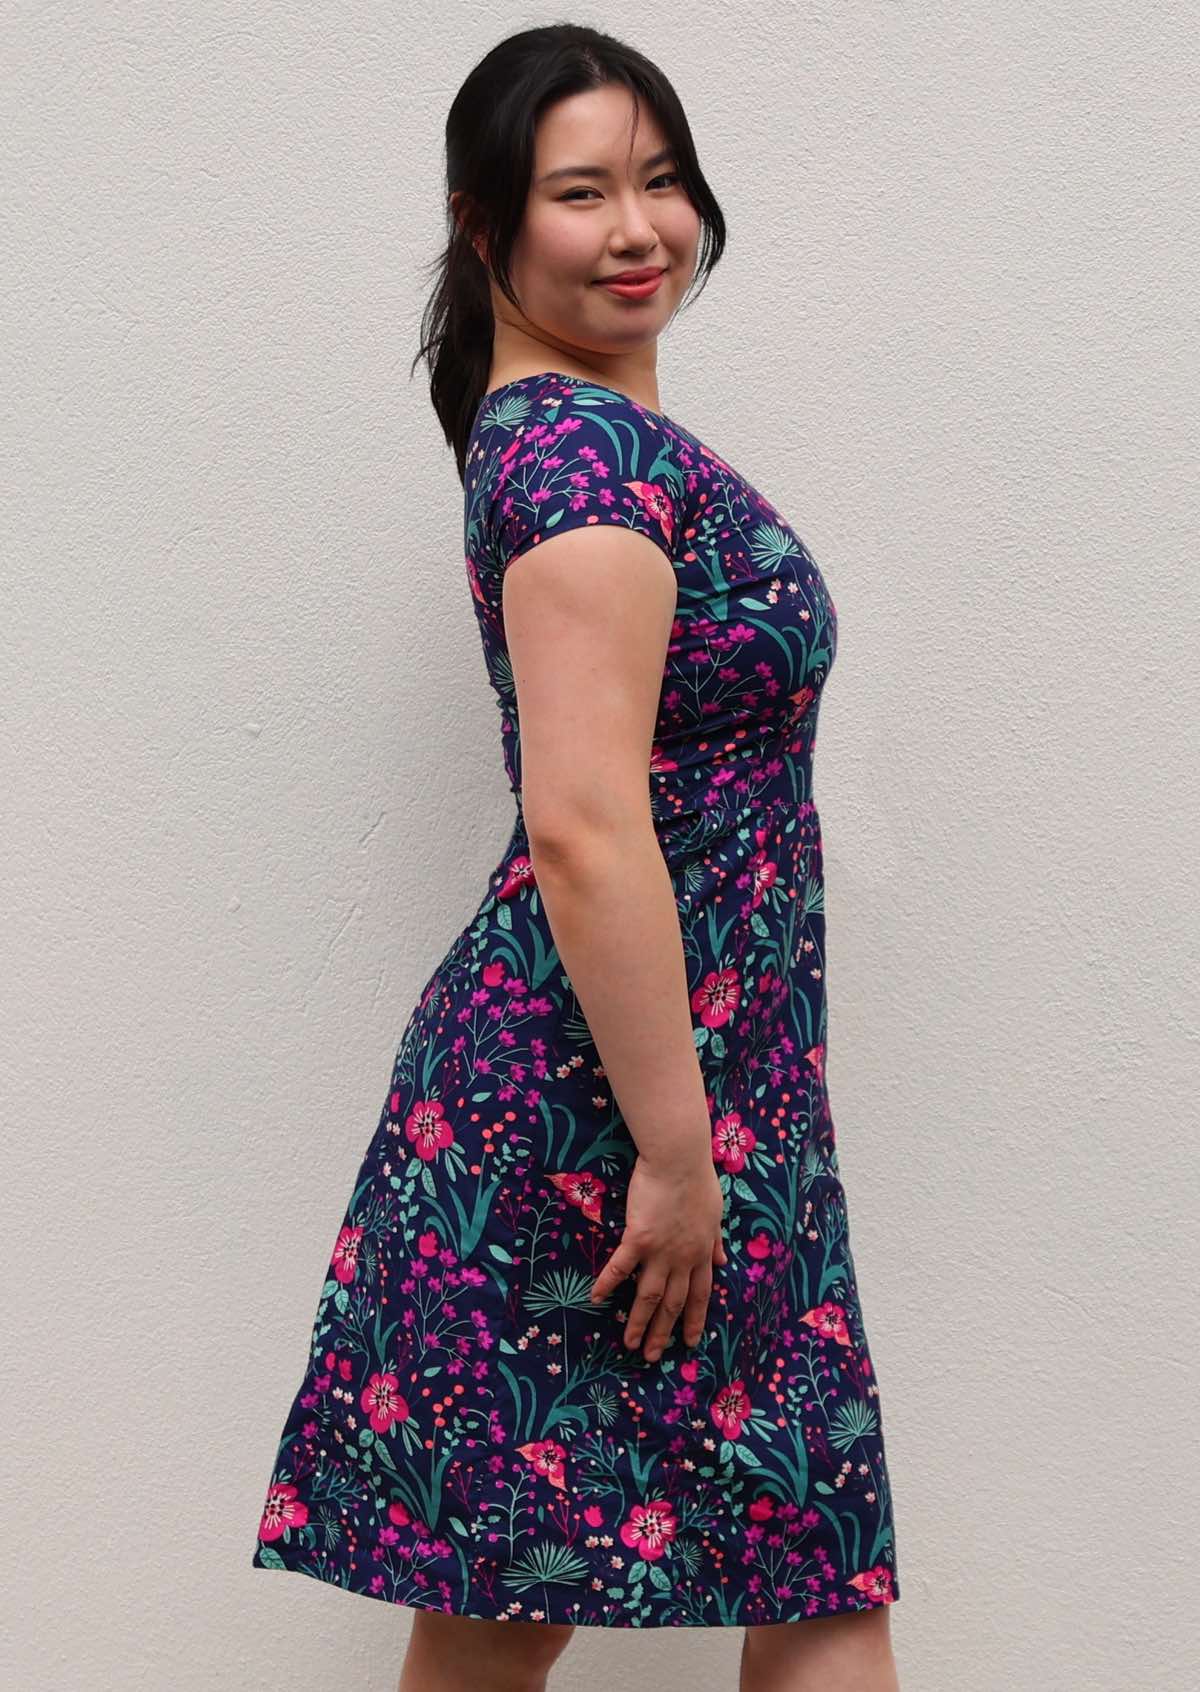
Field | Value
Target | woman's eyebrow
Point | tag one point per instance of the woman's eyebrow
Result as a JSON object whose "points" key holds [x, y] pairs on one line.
{"points": [[602, 170]]}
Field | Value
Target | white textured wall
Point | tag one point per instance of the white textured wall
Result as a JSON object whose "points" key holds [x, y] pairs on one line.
{"points": [[252, 780]]}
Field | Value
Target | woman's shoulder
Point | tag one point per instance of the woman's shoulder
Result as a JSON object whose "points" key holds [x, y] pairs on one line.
{"points": [[553, 405], [552, 451]]}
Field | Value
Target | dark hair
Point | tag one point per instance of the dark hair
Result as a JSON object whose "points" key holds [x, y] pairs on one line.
{"points": [[490, 134]]}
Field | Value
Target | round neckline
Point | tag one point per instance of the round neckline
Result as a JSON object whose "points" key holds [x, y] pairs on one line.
{"points": [[564, 376]]}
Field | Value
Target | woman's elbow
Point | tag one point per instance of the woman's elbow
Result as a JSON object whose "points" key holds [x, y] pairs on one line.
{"points": [[563, 829]]}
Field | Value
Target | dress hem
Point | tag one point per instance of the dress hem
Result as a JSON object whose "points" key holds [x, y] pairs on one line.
{"points": [[293, 1564]]}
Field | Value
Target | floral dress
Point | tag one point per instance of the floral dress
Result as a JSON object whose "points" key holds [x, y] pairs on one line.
{"points": [[471, 1434]]}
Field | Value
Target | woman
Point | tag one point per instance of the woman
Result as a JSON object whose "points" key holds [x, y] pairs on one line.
{"points": [[591, 1351]]}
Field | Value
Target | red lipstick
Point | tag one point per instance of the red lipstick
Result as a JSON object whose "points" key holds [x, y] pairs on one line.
{"points": [[634, 284]]}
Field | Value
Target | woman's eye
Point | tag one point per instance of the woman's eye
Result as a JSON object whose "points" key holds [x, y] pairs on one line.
{"points": [[667, 176]]}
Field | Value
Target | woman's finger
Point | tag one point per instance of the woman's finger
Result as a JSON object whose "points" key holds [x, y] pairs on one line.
{"points": [[695, 1315], [674, 1298], [619, 1267], [651, 1284]]}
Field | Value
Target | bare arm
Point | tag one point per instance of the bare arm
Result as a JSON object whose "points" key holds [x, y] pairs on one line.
{"points": [[588, 616]]}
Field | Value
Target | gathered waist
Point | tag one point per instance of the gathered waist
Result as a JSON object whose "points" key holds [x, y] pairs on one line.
{"points": [[686, 835]]}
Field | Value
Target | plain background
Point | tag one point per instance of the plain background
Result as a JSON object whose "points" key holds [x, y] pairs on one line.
{"points": [[252, 779]]}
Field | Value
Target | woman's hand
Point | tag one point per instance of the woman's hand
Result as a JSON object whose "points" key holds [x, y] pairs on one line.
{"points": [[673, 1230]]}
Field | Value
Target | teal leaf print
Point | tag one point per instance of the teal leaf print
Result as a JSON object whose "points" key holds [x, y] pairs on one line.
{"points": [[852, 1421], [565, 1289], [605, 1404], [771, 545], [546, 1564]]}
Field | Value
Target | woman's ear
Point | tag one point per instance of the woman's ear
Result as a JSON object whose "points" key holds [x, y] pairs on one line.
{"points": [[458, 209]]}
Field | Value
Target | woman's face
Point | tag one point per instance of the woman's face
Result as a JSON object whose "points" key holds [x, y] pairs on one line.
{"points": [[623, 213]]}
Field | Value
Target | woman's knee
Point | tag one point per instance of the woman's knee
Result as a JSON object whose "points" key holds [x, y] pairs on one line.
{"points": [[508, 1649], [856, 1635]]}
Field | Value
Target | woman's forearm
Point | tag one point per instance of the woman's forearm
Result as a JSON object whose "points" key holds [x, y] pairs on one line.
{"points": [[611, 908]]}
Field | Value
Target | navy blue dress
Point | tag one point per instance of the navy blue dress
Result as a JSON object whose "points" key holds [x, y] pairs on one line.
{"points": [[470, 1433]]}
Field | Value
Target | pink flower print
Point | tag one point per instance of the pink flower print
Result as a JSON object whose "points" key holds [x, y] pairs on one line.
{"points": [[764, 872], [876, 1582], [492, 974], [507, 457], [594, 1516], [730, 1408], [650, 1529], [758, 1245], [657, 505], [816, 1056], [829, 1319], [762, 1508], [583, 1190], [284, 1509], [732, 1139], [383, 1401], [428, 1243], [427, 1128], [718, 997], [707, 452], [547, 1456], [659, 762], [518, 875], [475, 583], [398, 1514], [802, 699], [345, 1255]]}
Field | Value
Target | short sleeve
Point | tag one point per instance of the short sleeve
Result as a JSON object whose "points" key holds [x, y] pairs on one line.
{"points": [[596, 459]]}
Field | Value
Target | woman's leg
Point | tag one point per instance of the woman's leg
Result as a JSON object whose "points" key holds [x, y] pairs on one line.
{"points": [[851, 1652], [463, 1654]]}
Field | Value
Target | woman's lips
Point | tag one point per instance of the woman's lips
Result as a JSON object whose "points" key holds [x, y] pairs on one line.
{"points": [[635, 290]]}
